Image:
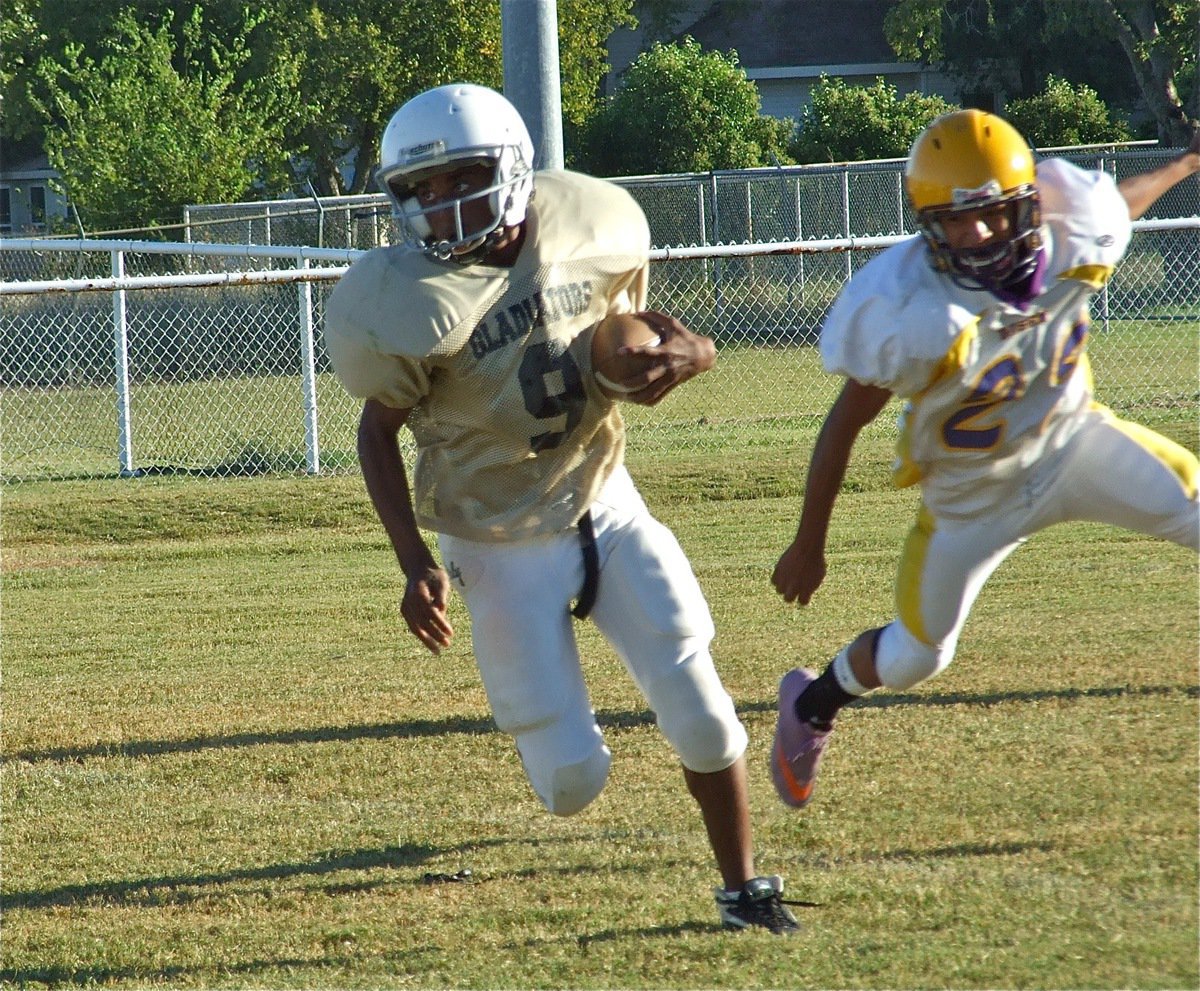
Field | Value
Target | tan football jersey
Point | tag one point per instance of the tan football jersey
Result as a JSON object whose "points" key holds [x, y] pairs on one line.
{"points": [[514, 438]]}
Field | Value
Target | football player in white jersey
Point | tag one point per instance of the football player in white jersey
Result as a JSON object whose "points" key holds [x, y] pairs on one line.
{"points": [[475, 334], [981, 325]]}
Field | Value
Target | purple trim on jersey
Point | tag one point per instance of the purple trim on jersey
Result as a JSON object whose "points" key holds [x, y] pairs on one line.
{"points": [[1029, 288]]}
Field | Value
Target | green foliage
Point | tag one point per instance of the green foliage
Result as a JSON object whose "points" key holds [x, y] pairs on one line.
{"points": [[914, 29], [359, 62], [658, 20], [319, 77], [1138, 54], [1063, 114], [584, 27], [21, 41], [141, 137], [681, 109], [847, 123]]}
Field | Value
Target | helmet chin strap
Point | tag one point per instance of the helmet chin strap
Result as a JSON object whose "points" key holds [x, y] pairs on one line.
{"points": [[475, 252]]}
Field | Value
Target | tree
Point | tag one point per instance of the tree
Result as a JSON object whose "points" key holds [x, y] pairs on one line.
{"points": [[681, 109], [21, 42], [858, 123], [659, 19], [336, 70], [139, 138], [33, 30], [1161, 40], [360, 61], [1153, 42], [1063, 114]]}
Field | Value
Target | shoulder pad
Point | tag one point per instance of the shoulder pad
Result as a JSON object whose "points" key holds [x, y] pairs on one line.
{"points": [[398, 302], [1086, 217], [579, 216]]}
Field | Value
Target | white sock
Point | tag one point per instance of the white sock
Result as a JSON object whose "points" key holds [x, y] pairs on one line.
{"points": [[845, 676]]}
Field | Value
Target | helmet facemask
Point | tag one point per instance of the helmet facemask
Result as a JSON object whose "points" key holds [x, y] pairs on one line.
{"points": [[467, 245], [1005, 259]]}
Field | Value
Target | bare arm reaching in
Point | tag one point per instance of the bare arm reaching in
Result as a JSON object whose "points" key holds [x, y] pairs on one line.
{"points": [[801, 568], [1142, 191]]}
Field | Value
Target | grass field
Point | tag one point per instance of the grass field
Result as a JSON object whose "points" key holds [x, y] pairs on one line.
{"points": [[224, 765]]}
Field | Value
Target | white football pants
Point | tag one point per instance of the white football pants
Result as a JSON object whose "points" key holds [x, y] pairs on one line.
{"points": [[1111, 471], [649, 607]]}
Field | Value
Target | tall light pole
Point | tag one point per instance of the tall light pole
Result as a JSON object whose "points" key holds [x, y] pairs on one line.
{"points": [[529, 35]]}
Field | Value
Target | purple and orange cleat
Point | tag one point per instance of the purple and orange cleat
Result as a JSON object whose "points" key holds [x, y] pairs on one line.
{"points": [[798, 745]]}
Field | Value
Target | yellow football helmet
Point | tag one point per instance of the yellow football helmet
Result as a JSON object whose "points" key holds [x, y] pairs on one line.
{"points": [[971, 160]]}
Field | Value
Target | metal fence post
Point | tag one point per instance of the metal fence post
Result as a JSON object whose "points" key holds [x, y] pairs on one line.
{"points": [[799, 235], [121, 371], [749, 214], [846, 216], [320, 216], [718, 268], [308, 372], [1104, 311]]}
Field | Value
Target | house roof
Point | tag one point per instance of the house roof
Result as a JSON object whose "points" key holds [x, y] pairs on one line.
{"points": [[26, 164], [769, 33]]}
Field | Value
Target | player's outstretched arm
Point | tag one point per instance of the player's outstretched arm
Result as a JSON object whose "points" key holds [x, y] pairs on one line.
{"points": [[1142, 191], [801, 568], [680, 354], [427, 586]]}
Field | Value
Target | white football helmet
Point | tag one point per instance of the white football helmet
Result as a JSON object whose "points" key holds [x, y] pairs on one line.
{"points": [[446, 128]]}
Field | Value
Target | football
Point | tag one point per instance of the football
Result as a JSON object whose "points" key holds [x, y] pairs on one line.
{"points": [[614, 371]]}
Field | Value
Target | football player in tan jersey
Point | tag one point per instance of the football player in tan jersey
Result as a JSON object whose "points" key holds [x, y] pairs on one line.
{"points": [[475, 334], [981, 324]]}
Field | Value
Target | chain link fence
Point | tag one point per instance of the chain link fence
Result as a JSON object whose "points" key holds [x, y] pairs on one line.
{"points": [[749, 206], [131, 358]]}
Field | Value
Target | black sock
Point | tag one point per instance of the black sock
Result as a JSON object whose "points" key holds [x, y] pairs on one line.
{"points": [[820, 701]]}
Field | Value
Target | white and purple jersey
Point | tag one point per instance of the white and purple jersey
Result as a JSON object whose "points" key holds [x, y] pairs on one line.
{"points": [[993, 381]]}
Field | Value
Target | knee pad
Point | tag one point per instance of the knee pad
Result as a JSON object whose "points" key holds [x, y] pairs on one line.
{"points": [[1185, 528], [573, 787], [565, 760], [697, 716], [902, 661]]}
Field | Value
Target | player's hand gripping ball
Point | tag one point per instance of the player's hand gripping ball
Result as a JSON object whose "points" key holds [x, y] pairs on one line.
{"points": [[618, 374]]}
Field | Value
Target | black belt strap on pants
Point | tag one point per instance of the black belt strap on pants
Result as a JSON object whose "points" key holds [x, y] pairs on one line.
{"points": [[591, 567]]}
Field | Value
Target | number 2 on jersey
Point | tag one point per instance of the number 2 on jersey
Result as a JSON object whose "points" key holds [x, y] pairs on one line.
{"points": [[1004, 382]]}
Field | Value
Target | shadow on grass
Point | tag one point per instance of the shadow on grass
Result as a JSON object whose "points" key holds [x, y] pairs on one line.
{"points": [[161, 889], [1010, 849], [413, 961], [178, 888], [628, 719], [175, 976], [885, 700], [328, 734]]}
